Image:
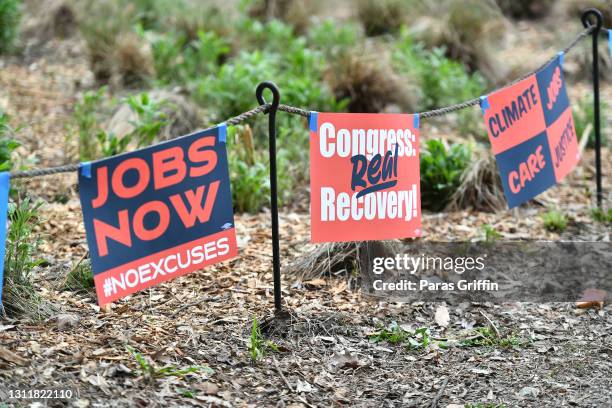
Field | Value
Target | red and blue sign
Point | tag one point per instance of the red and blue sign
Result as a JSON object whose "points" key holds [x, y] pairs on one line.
{"points": [[158, 213], [532, 133], [364, 176]]}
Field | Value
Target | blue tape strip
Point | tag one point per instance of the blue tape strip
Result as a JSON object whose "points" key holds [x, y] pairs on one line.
{"points": [[86, 169], [610, 41], [561, 55], [313, 121], [223, 132], [417, 121], [484, 104], [4, 195]]}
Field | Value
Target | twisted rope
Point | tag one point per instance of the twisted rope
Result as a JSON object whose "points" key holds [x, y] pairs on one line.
{"points": [[301, 112]]}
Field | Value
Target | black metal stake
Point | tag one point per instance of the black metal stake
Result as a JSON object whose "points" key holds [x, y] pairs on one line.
{"points": [[271, 111], [586, 21]]}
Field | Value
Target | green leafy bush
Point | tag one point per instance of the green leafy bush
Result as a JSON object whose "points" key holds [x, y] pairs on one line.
{"points": [[333, 39], [149, 120], [9, 23], [441, 170], [181, 60], [250, 172], [442, 81]]}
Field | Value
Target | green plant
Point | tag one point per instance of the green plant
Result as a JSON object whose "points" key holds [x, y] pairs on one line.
{"points": [[489, 337], [395, 334], [86, 122], [258, 345], [554, 221], [441, 170], [20, 296], [10, 15], [150, 372], [600, 215], [149, 118], [80, 277], [584, 118], [333, 39], [181, 60], [442, 81], [7, 143], [490, 234]]}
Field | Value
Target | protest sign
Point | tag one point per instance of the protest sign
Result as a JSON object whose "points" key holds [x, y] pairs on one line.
{"points": [[532, 134], [157, 213], [364, 176]]}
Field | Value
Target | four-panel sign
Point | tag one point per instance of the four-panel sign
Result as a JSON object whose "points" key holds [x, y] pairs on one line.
{"points": [[532, 134]]}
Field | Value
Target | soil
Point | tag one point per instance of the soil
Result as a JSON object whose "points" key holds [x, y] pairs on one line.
{"points": [[324, 354]]}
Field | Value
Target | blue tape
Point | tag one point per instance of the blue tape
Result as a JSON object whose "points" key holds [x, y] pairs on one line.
{"points": [[484, 104], [4, 195], [313, 122], [86, 169], [222, 132], [561, 55], [610, 41], [417, 121]]}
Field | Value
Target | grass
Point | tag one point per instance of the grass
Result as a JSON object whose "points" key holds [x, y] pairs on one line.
{"points": [[80, 278], [150, 372], [488, 337], [258, 346], [20, 297], [554, 221], [584, 118], [602, 216]]}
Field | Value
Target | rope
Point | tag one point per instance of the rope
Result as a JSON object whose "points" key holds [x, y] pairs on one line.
{"points": [[301, 112]]}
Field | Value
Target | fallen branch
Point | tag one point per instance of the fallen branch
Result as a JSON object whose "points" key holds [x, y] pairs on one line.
{"points": [[434, 402], [188, 305], [282, 376]]}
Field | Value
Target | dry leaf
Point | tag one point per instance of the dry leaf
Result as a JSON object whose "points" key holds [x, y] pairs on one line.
{"points": [[11, 357], [592, 298], [442, 317]]}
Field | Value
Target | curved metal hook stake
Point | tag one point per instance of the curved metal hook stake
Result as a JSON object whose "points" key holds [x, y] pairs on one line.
{"points": [[271, 110], [586, 18], [275, 95], [586, 21]]}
